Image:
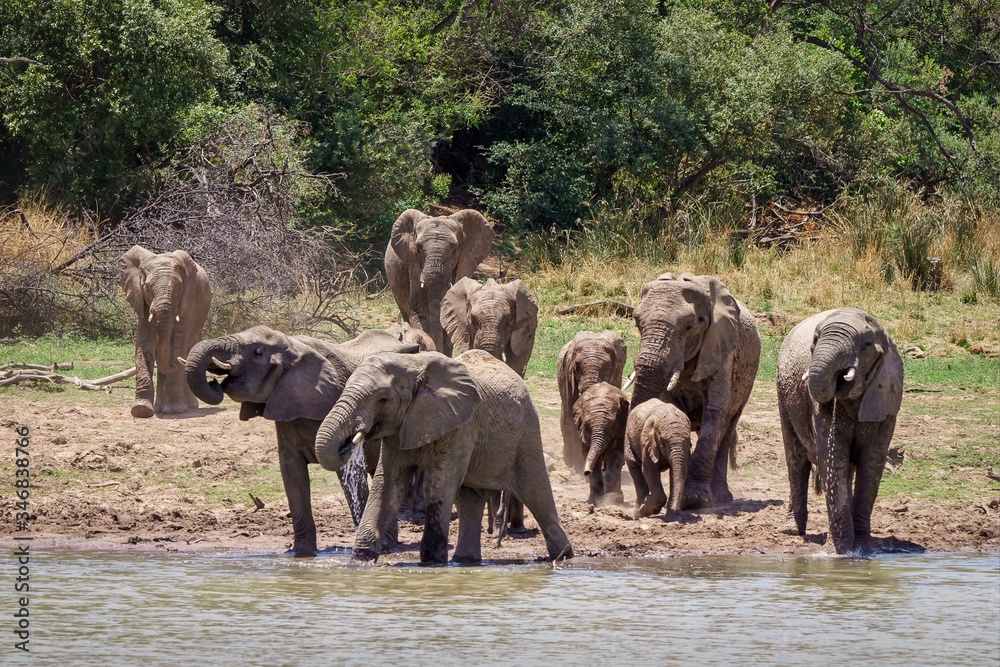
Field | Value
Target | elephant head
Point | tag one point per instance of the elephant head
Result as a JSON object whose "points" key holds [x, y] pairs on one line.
{"points": [[853, 358], [170, 295], [600, 415], [500, 319], [587, 359], [404, 333], [426, 256], [417, 398], [279, 377], [687, 319]]}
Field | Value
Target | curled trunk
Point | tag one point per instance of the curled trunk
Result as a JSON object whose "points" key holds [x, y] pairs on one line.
{"points": [[198, 361], [337, 436], [831, 357], [597, 446]]}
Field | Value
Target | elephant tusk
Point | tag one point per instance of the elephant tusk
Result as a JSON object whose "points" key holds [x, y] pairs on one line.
{"points": [[805, 376], [849, 375], [629, 381], [177, 318], [182, 361], [358, 437], [421, 284], [150, 316], [221, 364]]}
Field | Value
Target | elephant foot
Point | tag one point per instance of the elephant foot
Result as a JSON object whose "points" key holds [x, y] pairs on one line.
{"points": [[142, 409], [466, 558], [697, 495], [650, 509], [721, 495], [791, 528], [300, 552], [391, 538], [364, 553]]}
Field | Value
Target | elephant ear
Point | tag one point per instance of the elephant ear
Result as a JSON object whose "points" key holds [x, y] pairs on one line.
{"points": [[444, 398], [455, 313], [130, 277], [522, 338], [618, 358], [477, 237], [884, 394], [566, 376], [652, 283], [308, 387], [403, 239], [722, 335]]}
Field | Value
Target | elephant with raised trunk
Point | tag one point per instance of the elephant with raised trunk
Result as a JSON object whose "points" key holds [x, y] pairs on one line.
{"points": [[840, 386], [600, 415], [426, 255], [293, 381], [467, 423], [171, 296], [584, 361], [699, 349], [657, 438]]}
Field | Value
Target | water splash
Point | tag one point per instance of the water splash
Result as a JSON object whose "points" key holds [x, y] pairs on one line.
{"points": [[354, 480]]}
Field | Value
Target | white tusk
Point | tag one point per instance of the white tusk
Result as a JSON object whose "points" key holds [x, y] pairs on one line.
{"points": [[629, 381], [805, 376], [182, 361], [421, 284], [177, 317], [221, 364], [150, 317], [358, 437], [503, 357], [849, 375]]}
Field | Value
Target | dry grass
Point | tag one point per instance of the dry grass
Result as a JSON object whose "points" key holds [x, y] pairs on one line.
{"points": [[36, 234]]}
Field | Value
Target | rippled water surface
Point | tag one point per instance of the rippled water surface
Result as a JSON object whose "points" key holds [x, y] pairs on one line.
{"points": [[91, 608]]}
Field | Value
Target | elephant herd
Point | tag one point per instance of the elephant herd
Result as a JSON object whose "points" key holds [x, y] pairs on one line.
{"points": [[466, 428]]}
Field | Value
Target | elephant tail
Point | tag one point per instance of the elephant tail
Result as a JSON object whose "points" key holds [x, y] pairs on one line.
{"points": [[732, 457], [817, 482]]}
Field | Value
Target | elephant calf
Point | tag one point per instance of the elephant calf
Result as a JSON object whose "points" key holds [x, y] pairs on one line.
{"points": [[293, 381], [468, 424], [658, 438], [840, 386], [600, 415]]}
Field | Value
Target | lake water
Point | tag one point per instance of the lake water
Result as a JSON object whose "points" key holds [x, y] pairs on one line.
{"points": [[94, 608]]}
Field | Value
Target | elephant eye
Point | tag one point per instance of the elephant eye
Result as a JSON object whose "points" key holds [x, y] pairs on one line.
{"points": [[383, 400], [258, 352]]}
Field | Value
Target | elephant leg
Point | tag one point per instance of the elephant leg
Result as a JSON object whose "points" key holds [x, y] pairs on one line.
{"points": [[515, 512], [295, 476], [543, 508], [870, 458], [144, 392], [385, 495], [720, 470], [657, 497], [613, 477], [798, 466], [701, 469], [442, 480], [470, 525], [639, 482]]}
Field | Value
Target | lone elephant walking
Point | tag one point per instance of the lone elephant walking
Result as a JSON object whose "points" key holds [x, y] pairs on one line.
{"points": [[171, 296], [840, 387]]}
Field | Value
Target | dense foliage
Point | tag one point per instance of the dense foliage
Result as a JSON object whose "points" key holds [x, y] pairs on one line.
{"points": [[542, 112]]}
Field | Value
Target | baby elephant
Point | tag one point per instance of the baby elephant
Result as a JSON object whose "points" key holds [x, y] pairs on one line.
{"points": [[658, 437], [600, 415]]}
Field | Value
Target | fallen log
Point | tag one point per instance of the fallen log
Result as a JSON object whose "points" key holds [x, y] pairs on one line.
{"points": [[617, 307], [16, 376]]}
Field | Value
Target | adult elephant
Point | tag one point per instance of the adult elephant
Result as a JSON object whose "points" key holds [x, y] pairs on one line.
{"points": [[468, 424], [293, 381], [500, 319], [170, 295], [840, 386], [586, 360], [426, 255], [699, 349]]}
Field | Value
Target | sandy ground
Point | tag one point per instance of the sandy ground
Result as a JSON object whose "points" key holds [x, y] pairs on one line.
{"points": [[101, 479]]}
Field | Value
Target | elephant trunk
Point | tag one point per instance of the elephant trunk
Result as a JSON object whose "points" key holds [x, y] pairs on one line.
{"points": [[435, 279], [650, 378], [339, 433], [678, 473], [598, 444], [200, 358], [834, 362], [488, 339]]}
